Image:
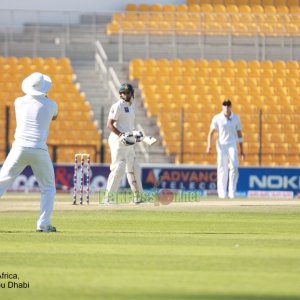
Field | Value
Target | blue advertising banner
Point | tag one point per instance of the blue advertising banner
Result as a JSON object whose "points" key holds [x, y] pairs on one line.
{"points": [[205, 178], [64, 174], [269, 179], [178, 177]]}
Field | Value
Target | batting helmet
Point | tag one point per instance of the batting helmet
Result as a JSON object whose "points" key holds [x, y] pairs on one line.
{"points": [[125, 88]]}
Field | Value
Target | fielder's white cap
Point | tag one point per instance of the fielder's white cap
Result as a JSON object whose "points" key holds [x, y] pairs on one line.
{"points": [[36, 84]]}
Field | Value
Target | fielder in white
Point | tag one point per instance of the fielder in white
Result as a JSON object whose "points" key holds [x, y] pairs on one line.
{"points": [[34, 113], [121, 142], [229, 129]]}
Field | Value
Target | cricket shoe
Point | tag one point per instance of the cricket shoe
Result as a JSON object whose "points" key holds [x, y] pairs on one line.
{"points": [[46, 228], [106, 201], [137, 201]]}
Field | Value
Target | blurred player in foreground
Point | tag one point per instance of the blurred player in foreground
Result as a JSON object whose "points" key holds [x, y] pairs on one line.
{"points": [[34, 113], [121, 142], [229, 129]]}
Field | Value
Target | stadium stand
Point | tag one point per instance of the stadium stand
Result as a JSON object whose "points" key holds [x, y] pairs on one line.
{"points": [[73, 130], [211, 18], [246, 2], [192, 84], [258, 89]]}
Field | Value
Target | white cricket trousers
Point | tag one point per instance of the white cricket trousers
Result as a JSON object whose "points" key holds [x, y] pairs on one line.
{"points": [[123, 159], [40, 162], [227, 170]]}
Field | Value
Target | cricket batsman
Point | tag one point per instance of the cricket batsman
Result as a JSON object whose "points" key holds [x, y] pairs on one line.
{"points": [[121, 141]]}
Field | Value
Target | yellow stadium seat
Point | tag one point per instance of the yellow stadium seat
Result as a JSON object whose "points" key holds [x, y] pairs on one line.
{"points": [[232, 9], [131, 16], [242, 2], [267, 2], [144, 7], [208, 8], [229, 2], [266, 65], [131, 7], [255, 2], [181, 8], [270, 9], [12, 60], [204, 2], [294, 9], [257, 9], [219, 8], [117, 17], [292, 65], [280, 3], [194, 8], [279, 64], [169, 8], [292, 29], [245, 9], [191, 2], [291, 3], [228, 64], [156, 8], [282, 9], [25, 61], [254, 64], [113, 28]]}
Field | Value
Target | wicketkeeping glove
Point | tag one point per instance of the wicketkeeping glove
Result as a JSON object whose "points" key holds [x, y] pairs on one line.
{"points": [[127, 139], [138, 135]]}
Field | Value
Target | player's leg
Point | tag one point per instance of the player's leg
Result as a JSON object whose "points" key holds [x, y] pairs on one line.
{"points": [[133, 172], [42, 168], [222, 170], [117, 169], [233, 170], [14, 164]]}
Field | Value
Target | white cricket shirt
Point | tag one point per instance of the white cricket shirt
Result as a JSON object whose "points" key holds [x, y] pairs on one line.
{"points": [[33, 116], [124, 115], [226, 127]]}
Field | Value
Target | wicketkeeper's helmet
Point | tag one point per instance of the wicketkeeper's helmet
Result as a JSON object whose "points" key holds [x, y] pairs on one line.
{"points": [[126, 88]]}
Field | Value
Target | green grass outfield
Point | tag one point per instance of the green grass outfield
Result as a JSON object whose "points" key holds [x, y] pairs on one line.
{"points": [[173, 252]]}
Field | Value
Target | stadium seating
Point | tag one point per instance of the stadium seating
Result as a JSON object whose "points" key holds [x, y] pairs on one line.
{"points": [[247, 2], [258, 89], [74, 130], [235, 17]]}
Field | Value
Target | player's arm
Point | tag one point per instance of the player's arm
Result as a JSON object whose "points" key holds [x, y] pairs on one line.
{"points": [[240, 141], [110, 125], [209, 139]]}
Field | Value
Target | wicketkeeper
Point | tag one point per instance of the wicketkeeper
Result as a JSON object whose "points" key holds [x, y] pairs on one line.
{"points": [[229, 129], [121, 141]]}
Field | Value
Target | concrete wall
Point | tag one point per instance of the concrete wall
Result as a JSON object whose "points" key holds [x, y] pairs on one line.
{"points": [[75, 5]]}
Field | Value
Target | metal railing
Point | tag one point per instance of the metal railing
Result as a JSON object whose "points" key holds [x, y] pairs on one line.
{"points": [[52, 33], [101, 63], [186, 144]]}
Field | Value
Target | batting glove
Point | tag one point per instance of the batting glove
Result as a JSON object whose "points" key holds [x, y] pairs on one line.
{"points": [[138, 135], [127, 139]]}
